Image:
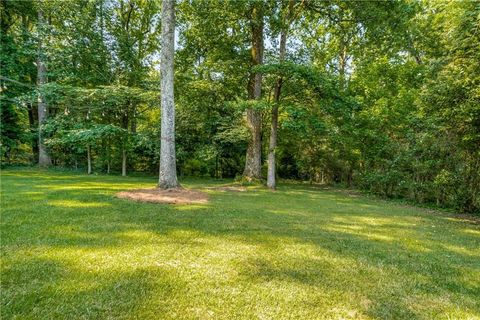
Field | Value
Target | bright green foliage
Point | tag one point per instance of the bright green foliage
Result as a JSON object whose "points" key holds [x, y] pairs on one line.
{"points": [[419, 123], [70, 249], [451, 104], [377, 95], [94, 117]]}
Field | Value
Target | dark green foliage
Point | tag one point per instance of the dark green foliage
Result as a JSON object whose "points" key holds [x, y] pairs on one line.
{"points": [[11, 133], [378, 95]]}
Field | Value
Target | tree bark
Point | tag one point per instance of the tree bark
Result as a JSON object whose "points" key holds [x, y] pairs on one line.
{"points": [[108, 161], [124, 162], [43, 157], [32, 113], [271, 181], [253, 161], [89, 160], [168, 171], [32, 124], [271, 171]]}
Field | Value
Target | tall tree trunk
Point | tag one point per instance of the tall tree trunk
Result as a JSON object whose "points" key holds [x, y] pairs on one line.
{"points": [[124, 162], [108, 161], [253, 161], [32, 124], [32, 113], [271, 181], [168, 171], [43, 157], [89, 160], [271, 172], [125, 122]]}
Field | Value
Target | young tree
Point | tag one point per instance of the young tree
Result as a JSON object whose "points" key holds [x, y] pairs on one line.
{"points": [[168, 170]]}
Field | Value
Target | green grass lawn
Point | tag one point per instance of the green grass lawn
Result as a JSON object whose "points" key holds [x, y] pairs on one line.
{"points": [[71, 250]]}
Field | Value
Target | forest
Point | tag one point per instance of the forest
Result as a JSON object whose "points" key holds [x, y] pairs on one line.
{"points": [[240, 159], [381, 96]]}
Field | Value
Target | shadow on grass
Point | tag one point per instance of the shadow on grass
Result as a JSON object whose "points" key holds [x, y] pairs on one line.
{"points": [[59, 290], [386, 256]]}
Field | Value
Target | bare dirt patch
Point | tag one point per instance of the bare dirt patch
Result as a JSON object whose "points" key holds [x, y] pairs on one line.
{"points": [[171, 196]]}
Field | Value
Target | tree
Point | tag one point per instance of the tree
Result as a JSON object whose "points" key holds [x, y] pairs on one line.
{"points": [[43, 157], [377, 95], [18, 77], [253, 160], [271, 171], [168, 166], [135, 30]]}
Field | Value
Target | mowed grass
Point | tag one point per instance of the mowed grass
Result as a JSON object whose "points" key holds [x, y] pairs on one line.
{"points": [[71, 250]]}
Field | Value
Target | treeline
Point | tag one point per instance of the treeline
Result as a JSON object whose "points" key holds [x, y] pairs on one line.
{"points": [[381, 95]]}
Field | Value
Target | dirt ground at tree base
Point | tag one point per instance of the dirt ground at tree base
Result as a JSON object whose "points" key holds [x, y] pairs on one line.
{"points": [[170, 196]]}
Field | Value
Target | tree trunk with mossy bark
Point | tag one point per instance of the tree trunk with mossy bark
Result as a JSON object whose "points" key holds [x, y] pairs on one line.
{"points": [[168, 171]]}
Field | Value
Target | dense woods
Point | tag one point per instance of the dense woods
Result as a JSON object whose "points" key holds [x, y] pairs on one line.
{"points": [[382, 96]]}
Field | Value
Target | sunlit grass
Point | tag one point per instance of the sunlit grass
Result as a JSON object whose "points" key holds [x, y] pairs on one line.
{"points": [[70, 250]]}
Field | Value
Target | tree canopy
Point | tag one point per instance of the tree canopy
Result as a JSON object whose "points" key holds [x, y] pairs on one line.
{"points": [[379, 95]]}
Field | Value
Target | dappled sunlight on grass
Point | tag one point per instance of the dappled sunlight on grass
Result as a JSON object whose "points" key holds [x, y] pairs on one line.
{"points": [[357, 231], [188, 207], [463, 250], [77, 204], [33, 193], [472, 232], [289, 212], [299, 252]]}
